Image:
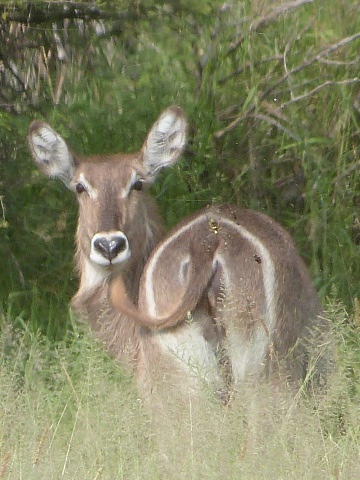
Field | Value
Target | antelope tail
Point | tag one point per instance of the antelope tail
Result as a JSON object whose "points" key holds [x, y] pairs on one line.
{"points": [[201, 272]]}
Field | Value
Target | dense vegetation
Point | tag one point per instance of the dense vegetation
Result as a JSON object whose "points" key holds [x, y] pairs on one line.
{"points": [[272, 93]]}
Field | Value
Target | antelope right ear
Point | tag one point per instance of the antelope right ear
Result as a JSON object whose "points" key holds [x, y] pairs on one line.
{"points": [[50, 152], [166, 141]]}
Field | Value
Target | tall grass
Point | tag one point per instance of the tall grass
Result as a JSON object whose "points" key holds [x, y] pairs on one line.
{"points": [[69, 412]]}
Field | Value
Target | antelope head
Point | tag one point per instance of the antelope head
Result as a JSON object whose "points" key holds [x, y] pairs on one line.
{"points": [[118, 223]]}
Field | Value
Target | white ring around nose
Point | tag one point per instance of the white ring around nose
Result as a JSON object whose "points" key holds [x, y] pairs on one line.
{"points": [[99, 259]]}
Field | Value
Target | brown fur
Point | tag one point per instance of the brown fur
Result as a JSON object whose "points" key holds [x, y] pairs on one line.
{"points": [[288, 323], [214, 271], [199, 274], [133, 212]]}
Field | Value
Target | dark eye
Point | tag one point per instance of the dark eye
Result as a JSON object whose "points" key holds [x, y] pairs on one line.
{"points": [[138, 185], [79, 187]]}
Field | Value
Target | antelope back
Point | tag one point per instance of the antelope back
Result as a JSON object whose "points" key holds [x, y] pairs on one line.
{"points": [[118, 222], [257, 291]]}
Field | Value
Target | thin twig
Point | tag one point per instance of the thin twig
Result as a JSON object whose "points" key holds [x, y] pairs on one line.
{"points": [[240, 70], [40, 445], [70, 440], [256, 24], [11, 67], [275, 123], [5, 464], [295, 37], [98, 473], [52, 11], [319, 87], [352, 168], [323, 53], [60, 84], [338, 63], [279, 10]]}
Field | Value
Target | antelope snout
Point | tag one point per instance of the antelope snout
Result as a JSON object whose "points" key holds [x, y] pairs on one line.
{"points": [[108, 248]]}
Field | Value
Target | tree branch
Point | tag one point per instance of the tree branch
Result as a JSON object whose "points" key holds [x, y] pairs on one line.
{"points": [[278, 125], [240, 70], [41, 12], [347, 81], [323, 53], [279, 10], [264, 20]]}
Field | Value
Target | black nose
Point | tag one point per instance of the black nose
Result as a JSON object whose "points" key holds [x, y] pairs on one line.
{"points": [[110, 248]]}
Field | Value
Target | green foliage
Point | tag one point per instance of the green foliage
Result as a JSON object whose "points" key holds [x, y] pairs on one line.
{"points": [[271, 93]]}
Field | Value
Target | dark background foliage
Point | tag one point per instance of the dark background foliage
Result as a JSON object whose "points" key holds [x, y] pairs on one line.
{"points": [[271, 90]]}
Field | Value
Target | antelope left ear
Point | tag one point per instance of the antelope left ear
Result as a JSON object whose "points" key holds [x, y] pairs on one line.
{"points": [[165, 141]]}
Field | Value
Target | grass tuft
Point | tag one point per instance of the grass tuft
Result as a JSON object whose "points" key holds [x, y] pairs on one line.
{"points": [[68, 411]]}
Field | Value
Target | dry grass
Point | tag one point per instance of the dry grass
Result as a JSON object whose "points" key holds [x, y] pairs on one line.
{"points": [[71, 413]]}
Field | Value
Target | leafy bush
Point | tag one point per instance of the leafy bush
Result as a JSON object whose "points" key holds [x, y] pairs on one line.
{"points": [[272, 96]]}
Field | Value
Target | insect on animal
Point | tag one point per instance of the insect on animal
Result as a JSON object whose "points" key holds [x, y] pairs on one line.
{"points": [[215, 228], [257, 258]]}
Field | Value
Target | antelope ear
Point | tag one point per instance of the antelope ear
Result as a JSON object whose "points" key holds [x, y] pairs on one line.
{"points": [[50, 152], [165, 141]]}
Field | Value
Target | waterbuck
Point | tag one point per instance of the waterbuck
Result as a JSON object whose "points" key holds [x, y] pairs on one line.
{"points": [[262, 315], [118, 221], [252, 307]]}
